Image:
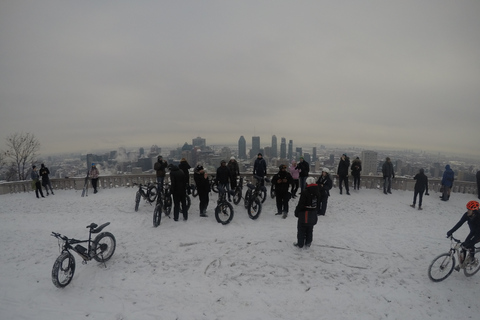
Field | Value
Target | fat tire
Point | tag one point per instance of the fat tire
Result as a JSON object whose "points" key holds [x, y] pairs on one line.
{"points": [[263, 195], [441, 267], [103, 246], [224, 213], [246, 201], [237, 197], [63, 266], [157, 213], [138, 196], [254, 209]]}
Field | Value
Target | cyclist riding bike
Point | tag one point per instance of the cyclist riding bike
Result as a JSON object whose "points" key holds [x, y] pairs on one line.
{"points": [[472, 216]]}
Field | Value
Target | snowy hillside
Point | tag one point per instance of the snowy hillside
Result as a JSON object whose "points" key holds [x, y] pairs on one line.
{"points": [[368, 260]]}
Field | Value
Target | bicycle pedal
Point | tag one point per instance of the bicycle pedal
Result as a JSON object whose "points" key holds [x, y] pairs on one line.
{"points": [[457, 268]]}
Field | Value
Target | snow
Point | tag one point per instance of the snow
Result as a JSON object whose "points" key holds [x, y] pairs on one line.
{"points": [[369, 260]]}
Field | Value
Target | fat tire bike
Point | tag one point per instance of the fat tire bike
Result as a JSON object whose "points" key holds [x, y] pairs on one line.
{"points": [[148, 192], [237, 192], [224, 210], [255, 196], [443, 265], [100, 249]]}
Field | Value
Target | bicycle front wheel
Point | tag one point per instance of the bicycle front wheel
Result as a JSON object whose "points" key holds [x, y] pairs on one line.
{"points": [[441, 267], [103, 246], [157, 213], [254, 208], [224, 213], [63, 270], [138, 196]]}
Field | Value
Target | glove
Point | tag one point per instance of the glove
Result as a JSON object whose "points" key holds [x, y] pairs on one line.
{"points": [[449, 234]]}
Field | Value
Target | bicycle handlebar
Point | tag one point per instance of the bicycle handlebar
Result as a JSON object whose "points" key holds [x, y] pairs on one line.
{"points": [[454, 239]]}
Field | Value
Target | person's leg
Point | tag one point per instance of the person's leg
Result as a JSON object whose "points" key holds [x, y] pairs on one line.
{"points": [[308, 235]]}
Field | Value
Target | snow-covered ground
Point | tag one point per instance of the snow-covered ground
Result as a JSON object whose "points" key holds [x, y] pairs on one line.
{"points": [[369, 260]]}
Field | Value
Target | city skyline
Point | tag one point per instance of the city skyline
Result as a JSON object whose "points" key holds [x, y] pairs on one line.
{"points": [[85, 76]]}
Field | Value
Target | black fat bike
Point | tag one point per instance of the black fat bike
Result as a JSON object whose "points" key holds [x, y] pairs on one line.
{"points": [[100, 249], [148, 192], [255, 196], [224, 210]]}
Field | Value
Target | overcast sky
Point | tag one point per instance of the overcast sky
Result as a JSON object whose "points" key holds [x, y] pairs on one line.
{"points": [[83, 75]]}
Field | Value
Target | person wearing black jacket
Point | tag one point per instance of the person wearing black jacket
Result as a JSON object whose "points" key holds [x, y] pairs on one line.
{"points": [[44, 172], [356, 170], [234, 172], [179, 192], [223, 178], [342, 173], [306, 212], [160, 167], [203, 188], [184, 166], [420, 186], [472, 217], [260, 168], [304, 168], [324, 183], [388, 174], [282, 181]]}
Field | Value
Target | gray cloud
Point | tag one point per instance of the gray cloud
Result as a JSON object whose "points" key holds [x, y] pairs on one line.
{"points": [[84, 75]]}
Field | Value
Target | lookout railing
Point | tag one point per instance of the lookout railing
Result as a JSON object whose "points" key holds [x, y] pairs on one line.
{"points": [[128, 180]]}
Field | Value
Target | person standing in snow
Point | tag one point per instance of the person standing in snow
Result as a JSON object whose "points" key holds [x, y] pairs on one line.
{"points": [[306, 212], [203, 188], [295, 175], [356, 170], [234, 172], [179, 192], [282, 181], [36, 181], [447, 183], [184, 166], [260, 167], [222, 179], [160, 167], [303, 168], [93, 174], [324, 183], [44, 172], [342, 173], [420, 186], [388, 174]]}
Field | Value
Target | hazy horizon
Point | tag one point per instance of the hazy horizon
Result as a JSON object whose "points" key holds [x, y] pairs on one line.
{"points": [[99, 75]]}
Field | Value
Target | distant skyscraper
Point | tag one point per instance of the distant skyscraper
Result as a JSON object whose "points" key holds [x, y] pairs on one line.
{"points": [[290, 150], [299, 151], [283, 149], [199, 142], [314, 154], [369, 162], [274, 152], [255, 146], [242, 148]]}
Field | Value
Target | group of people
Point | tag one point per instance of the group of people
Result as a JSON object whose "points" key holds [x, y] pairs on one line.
{"points": [[42, 174]]}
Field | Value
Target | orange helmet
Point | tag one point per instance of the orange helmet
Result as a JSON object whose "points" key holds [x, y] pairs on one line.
{"points": [[472, 205]]}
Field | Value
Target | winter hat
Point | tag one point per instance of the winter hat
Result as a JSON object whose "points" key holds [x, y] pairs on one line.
{"points": [[259, 154], [223, 161], [93, 164], [344, 154], [326, 170], [34, 166], [232, 158], [310, 180], [42, 165], [199, 167]]}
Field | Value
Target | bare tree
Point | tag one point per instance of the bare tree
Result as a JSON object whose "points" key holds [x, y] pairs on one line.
{"points": [[22, 151]]}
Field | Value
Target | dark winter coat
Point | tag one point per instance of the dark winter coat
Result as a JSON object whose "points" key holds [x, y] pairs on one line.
{"points": [[422, 182], [184, 166], [202, 183], [473, 223], [304, 168], [282, 181], [343, 166], [387, 169], [177, 181], [325, 184], [306, 210], [234, 169], [160, 167], [44, 172], [447, 179], [260, 167], [223, 175], [356, 167]]}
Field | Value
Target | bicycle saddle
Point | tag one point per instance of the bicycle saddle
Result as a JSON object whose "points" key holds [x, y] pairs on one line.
{"points": [[94, 229]]}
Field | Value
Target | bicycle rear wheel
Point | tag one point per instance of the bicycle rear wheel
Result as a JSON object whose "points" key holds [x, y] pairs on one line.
{"points": [[103, 246], [237, 197], [224, 213], [472, 268], [441, 267], [153, 193], [63, 270]]}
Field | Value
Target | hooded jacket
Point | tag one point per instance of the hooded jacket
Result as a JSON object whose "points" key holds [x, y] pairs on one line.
{"points": [[306, 210], [447, 179]]}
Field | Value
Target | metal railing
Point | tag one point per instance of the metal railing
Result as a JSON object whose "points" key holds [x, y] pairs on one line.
{"points": [[127, 180]]}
